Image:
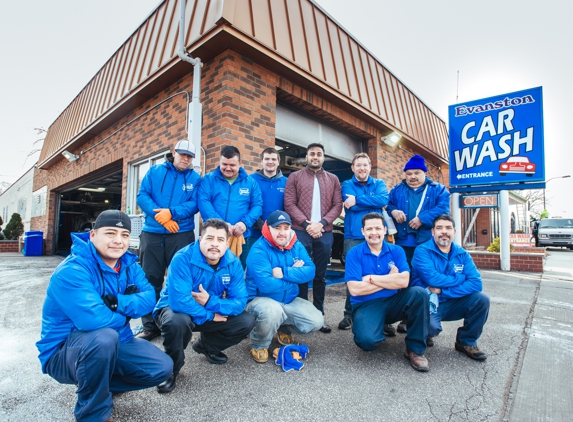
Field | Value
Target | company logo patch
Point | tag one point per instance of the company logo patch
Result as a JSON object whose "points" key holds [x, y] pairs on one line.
{"points": [[458, 268], [244, 191], [187, 187], [281, 189], [281, 217], [226, 279], [119, 224]]}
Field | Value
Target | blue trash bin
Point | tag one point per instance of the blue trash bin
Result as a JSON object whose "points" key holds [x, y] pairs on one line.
{"points": [[33, 243]]}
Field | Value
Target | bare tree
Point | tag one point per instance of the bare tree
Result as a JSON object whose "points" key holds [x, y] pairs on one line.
{"points": [[535, 202]]}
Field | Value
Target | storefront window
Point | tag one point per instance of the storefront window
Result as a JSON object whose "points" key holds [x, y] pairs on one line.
{"points": [[136, 173]]}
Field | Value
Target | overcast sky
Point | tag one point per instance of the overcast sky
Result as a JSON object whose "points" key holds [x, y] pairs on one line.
{"points": [[51, 49]]}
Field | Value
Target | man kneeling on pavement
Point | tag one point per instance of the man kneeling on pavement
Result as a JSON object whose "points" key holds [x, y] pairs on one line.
{"points": [[446, 269], [276, 265], [86, 337], [377, 276], [205, 292]]}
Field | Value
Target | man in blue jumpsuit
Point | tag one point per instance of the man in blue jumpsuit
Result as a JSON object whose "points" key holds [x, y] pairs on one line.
{"points": [[377, 277], [448, 270], [168, 198], [230, 194], [86, 338], [205, 292]]}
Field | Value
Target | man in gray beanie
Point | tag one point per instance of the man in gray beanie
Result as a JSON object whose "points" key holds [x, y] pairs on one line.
{"points": [[86, 339], [413, 205]]}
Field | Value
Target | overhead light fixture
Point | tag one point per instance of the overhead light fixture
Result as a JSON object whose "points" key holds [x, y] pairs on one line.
{"points": [[392, 139], [70, 156], [92, 189]]}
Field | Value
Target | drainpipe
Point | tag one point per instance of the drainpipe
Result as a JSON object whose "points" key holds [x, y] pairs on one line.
{"points": [[194, 108]]}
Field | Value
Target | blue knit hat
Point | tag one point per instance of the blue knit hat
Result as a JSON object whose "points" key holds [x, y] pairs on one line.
{"points": [[416, 163]]}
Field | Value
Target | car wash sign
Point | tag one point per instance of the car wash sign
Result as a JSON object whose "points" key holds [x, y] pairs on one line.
{"points": [[497, 140]]}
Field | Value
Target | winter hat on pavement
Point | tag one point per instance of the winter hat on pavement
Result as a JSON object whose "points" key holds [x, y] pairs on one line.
{"points": [[113, 218], [185, 147], [416, 163], [278, 217]]}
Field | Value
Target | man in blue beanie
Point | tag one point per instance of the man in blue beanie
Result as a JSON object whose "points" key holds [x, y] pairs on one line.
{"points": [[414, 204]]}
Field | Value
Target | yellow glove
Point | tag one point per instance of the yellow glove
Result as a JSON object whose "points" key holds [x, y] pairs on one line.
{"points": [[172, 226], [163, 215]]}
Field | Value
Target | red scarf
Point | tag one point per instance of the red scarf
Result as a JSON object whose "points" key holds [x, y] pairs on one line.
{"points": [[267, 235]]}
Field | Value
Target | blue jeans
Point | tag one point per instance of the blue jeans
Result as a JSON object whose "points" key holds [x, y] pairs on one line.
{"points": [[299, 316], [319, 251], [100, 365], [473, 308], [349, 244], [370, 317]]}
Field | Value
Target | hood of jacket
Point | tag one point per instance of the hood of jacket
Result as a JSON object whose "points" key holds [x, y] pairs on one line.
{"points": [[267, 235]]}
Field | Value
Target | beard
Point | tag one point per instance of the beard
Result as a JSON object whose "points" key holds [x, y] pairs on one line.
{"points": [[444, 242]]}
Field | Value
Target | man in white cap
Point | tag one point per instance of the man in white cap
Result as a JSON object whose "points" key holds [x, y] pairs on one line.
{"points": [[168, 198], [86, 338]]}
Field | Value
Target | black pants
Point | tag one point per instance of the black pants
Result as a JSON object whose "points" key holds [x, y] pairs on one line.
{"points": [[177, 328], [319, 250], [155, 254]]}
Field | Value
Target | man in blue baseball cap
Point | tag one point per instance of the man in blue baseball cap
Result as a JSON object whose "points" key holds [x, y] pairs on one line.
{"points": [[277, 264]]}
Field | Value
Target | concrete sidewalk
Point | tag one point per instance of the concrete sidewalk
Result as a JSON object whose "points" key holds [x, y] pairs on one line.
{"points": [[527, 338]]}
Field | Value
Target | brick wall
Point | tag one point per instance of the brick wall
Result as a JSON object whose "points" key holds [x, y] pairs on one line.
{"points": [[8, 246], [483, 223], [532, 263]]}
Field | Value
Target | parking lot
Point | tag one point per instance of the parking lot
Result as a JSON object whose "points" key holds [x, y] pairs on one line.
{"points": [[528, 340]]}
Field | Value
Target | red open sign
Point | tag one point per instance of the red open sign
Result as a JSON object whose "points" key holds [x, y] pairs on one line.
{"points": [[487, 200]]}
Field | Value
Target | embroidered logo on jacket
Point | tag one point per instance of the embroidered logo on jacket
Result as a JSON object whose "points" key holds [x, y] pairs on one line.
{"points": [[458, 268], [244, 191], [187, 187], [226, 278]]}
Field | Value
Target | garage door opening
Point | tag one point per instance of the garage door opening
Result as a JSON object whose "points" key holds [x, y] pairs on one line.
{"points": [[80, 206]]}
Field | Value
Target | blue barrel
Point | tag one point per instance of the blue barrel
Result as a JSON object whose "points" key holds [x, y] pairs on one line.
{"points": [[33, 243]]}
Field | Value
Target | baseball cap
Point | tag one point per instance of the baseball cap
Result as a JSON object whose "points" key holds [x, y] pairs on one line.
{"points": [[185, 147], [278, 217], [113, 218]]}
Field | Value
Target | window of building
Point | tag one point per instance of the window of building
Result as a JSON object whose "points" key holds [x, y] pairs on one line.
{"points": [[136, 172]]}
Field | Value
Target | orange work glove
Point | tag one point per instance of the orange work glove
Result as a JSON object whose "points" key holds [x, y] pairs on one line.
{"points": [[172, 226], [163, 215]]}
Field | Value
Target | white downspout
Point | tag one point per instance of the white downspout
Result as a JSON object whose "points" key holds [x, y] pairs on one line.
{"points": [[195, 111]]}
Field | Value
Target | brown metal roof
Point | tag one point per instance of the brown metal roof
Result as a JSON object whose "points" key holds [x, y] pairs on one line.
{"points": [[296, 35]]}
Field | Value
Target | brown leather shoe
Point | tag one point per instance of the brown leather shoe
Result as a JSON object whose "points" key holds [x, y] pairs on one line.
{"points": [[418, 362], [471, 351]]}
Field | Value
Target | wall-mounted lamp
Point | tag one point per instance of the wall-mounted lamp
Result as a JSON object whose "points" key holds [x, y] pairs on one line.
{"points": [[392, 139], [69, 156]]}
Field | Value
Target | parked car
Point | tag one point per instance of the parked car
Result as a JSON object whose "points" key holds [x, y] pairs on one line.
{"points": [[556, 232]]}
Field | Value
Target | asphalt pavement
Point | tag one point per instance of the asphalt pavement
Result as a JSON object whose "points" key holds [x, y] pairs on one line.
{"points": [[528, 338]]}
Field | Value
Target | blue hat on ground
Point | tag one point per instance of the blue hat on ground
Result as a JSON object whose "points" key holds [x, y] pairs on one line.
{"points": [[416, 163], [278, 217], [185, 147], [113, 218]]}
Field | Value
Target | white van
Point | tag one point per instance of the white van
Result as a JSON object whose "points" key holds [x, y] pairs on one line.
{"points": [[556, 232]]}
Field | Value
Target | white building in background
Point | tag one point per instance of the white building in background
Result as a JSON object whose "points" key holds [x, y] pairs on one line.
{"points": [[18, 198]]}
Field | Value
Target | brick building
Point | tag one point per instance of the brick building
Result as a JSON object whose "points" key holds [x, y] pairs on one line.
{"points": [[280, 73]]}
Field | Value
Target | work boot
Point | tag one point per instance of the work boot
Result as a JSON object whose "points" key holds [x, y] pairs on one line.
{"points": [[471, 351], [261, 355], [418, 362], [284, 339]]}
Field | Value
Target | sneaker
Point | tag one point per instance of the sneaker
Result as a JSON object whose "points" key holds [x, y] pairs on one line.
{"points": [[471, 351], [418, 362], [168, 385], [389, 330], [430, 341], [284, 339], [403, 326], [148, 335], [345, 324], [261, 355], [325, 329]]}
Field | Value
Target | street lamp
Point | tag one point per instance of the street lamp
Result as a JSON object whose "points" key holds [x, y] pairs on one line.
{"points": [[558, 177]]}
